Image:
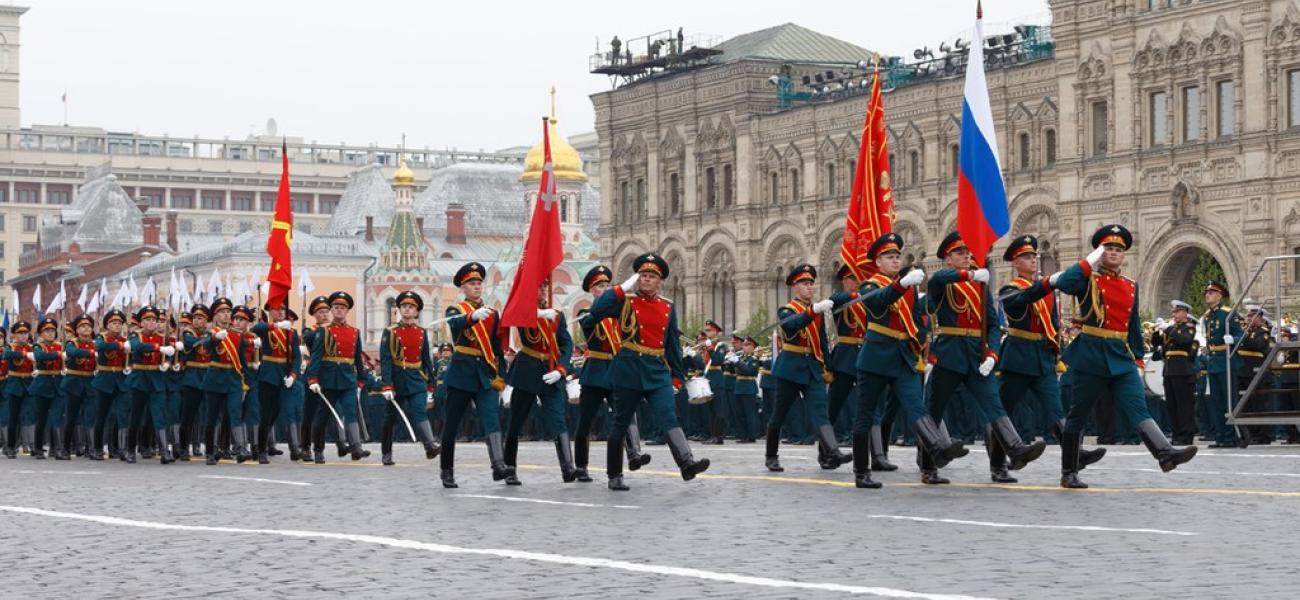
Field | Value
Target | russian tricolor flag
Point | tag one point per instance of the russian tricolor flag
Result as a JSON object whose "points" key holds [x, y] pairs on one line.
{"points": [[982, 215]]}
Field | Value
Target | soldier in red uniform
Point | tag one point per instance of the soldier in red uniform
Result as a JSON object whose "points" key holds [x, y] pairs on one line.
{"points": [[406, 369], [77, 393], [335, 372]]}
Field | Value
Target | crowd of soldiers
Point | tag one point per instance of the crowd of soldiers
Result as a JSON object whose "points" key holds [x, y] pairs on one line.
{"points": [[911, 352]]}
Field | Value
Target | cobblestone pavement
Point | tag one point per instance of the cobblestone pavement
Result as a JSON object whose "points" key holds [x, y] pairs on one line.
{"points": [[1222, 526]]}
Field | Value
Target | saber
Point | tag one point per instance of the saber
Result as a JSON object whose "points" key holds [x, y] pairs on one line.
{"points": [[409, 429], [326, 401]]}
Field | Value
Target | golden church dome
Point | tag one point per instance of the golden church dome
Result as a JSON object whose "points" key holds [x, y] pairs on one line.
{"points": [[568, 165], [404, 176]]}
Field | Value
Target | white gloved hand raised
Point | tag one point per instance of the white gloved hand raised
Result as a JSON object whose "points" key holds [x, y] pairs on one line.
{"points": [[220, 334], [1228, 339], [180, 346], [480, 313], [823, 306], [551, 377], [1094, 257], [986, 367], [31, 356], [167, 350], [126, 346], [285, 324], [980, 275], [315, 388], [913, 277], [629, 284], [387, 394], [257, 342], [288, 381], [548, 314], [1053, 278]]}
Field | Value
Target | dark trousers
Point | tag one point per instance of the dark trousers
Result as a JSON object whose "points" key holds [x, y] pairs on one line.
{"points": [[487, 405], [102, 409], [1126, 389], [15, 420], [553, 403], [191, 405], [1223, 398], [269, 395], [42, 420], [590, 402], [839, 395], [983, 391], [1180, 402], [787, 392], [746, 416]]}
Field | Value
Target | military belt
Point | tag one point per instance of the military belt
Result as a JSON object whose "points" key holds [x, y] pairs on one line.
{"points": [[1109, 334], [106, 369], [1026, 335], [646, 350], [1251, 353], [600, 355], [534, 353], [886, 331], [81, 373], [1219, 348], [796, 349], [221, 365], [49, 372], [1169, 353], [21, 375], [850, 340], [746, 378], [197, 365], [468, 351], [145, 367], [407, 365], [275, 359], [339, 359], [715, 367], [958, 331]]}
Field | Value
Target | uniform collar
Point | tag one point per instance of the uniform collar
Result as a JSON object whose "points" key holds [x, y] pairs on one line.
{"points": [[1106, 271]]}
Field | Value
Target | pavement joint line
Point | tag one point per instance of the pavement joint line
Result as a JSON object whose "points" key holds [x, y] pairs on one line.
{"points": [[257, 479], [540, 557], [997, 524], [542, 501]]}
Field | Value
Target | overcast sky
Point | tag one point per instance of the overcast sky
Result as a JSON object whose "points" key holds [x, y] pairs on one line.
{"points": [[466, 74]]}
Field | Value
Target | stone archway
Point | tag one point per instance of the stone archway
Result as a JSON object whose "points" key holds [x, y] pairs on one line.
{"points": [[1173, 275]]}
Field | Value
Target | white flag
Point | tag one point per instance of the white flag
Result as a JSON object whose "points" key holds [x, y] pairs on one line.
{"points": [[305, 284], [149, 293], [36, 298], [214, 285], [198, 291], [82, 299], [17, 305], [227, 290], [173, 292], [95, 301], [103, 292], [132, 292]]}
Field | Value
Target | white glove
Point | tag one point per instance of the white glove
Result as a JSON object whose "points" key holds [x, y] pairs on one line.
{"points": [[167, 350], [288, 381], [629, 285], [708, 344], [126, 370], [220, 335], [480, 313], [177, 367], [180, 346], [732, 359], [1228, 339], [688, 352], [315, 388], [823, 306], [304, 350], [913, 277], [1053, 278], [1094, 257], [285, 325], [387, 394], [548, 314], [980, 275], [428, 398], [32, 356], [551, 377], [257, 342], [986, 367], [63, 355], [126, 346]]}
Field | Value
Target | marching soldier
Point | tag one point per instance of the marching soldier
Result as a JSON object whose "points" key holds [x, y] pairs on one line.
{"points": [[1108, 352], [109, 381], [437, 408], [241, 317], [16, 384], [4, 399], [336, 373], [714, 357], [224, 383], [44, 389], [173, 370], [1030, 352], [1222, 330], [746, 366], [407, 372], [538, 372], [1177, 347], [197, 359], [850, 330], [76, 390], [966, 321], [648, 365], [281, 361], [319, 309], [147, 383], [801, 370], [890, 363], [475, 373], [725, 414], [603, 344]]}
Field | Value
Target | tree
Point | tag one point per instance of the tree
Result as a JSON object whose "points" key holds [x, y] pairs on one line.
{"points": [[759, 320], [1207, 269]]}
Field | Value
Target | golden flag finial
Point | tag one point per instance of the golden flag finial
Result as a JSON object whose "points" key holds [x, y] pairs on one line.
{"points": [[552, 104]]}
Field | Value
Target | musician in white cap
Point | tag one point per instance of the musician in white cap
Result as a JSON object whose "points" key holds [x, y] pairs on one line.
{"points": [[1176, 345]]}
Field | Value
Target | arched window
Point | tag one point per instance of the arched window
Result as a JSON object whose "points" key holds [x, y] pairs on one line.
{"points": [[642, 201], [728, 186], [1049, 147], [775, 188], [795, 192], [674, 195], [1023, 149], [954, 160], [830, 180], [913, 167], [710, 189], [390, 310]]}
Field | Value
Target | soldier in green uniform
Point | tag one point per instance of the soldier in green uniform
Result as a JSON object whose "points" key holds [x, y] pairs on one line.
{"points": [[538, 373], [746, 365], [714, 356], [890, 363], [850, 330], [280, 370], [967, 325], [47, 353], [407, 372], [801, 370], [1256, 341], [648, 366], [1222, 330], [1108, 352], [319, 309], [1177, 347], [1030, 352], [336, 373], [17, 381], [224, 382], [79, 355], [147, 381]]}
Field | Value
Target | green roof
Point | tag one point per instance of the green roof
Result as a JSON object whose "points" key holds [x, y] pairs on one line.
{"points": [[791, 43]]}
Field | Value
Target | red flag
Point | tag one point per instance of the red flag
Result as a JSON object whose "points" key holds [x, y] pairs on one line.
{"points": [[871, 201], [277, 242], [543, 250]]}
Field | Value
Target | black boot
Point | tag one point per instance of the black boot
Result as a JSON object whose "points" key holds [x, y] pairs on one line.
{"points": [[681, 451], [935, 441], [123, 442], [635, 458], [861, 464], [1021, 453], [386, 445], [564, 453], [879, 451], [1070, 443], [1086, 457], [238, 438], [773, 446], [354, 442], [1159, 446], [496, 456], [425, 432], [512, 461], [57, 450], [831, 457], [448, 478], [164, 451], [581, 446], [614, 463], [295, 444], [997, 458]]}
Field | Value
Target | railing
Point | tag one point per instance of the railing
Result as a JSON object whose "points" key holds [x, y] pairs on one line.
{"points": [[1234, 415]]}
